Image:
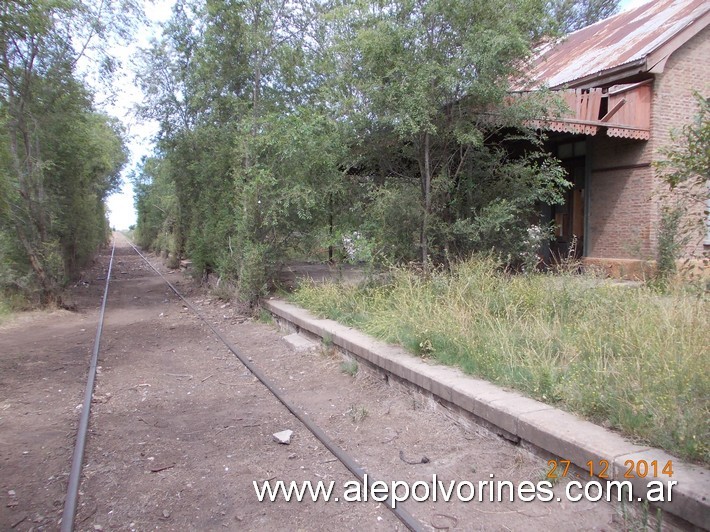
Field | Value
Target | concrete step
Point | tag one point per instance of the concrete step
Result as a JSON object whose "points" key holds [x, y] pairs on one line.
{"points": [[300, 344]]}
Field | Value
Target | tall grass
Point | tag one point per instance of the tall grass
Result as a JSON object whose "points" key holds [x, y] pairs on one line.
{"points": [[629, 358], [11, 304], [4, 310]]}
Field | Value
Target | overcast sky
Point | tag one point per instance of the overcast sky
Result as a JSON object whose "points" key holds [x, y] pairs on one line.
{"points": [[120, 205], [121, 211]]}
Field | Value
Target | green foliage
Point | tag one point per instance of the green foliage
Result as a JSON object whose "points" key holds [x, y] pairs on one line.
{"points": [[358, 414], [589, 346], [572, 15], [266, 317], [688, 160], [377, 131], [59, 158], [393, 217], [430, 76], [155, 203], [670, 242], [14, 270], [686, 171], [242, 169]]}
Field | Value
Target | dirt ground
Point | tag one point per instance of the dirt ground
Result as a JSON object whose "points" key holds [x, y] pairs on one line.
{"points": [[180, 429]]}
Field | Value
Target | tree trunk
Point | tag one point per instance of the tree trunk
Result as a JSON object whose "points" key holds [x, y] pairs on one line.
{"points": [[330, 228], [425, 171], [50, 292], [256, 89], [29, 214]]}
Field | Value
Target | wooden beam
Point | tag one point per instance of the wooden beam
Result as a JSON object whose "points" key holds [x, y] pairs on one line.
{"points": [[613, 110]]}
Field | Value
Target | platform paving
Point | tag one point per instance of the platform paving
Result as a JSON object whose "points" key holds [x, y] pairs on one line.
{"points": [[547, 428]]}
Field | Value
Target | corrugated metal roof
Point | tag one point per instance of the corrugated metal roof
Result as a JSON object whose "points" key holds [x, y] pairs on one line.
{"points": [[620, 40]]}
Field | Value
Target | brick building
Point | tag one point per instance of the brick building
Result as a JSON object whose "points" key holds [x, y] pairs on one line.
{"points": [[628, 82]]}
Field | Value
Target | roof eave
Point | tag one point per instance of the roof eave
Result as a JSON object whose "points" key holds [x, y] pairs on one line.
{"points": [[606, 77], [657, 58]]}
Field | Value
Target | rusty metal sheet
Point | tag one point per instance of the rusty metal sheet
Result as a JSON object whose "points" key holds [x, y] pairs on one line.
{"points": [[612, 43]]}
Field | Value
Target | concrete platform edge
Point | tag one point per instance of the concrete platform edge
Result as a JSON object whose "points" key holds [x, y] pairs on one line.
{"points": [[553, 430]]}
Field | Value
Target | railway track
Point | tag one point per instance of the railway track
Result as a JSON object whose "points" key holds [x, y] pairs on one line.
{"points": [[187, 395], [74, 482], [72, 497]]}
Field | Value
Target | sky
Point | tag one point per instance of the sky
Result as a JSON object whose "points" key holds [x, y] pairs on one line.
{"points": [[121, 211], [140, 134]]}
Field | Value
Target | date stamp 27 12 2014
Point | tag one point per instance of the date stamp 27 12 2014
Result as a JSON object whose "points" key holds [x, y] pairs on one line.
{"points": [[634, 469]]}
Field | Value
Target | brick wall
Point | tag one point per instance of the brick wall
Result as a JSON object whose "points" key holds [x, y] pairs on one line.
{"points": [[674, 106], [620, 209], [624, 204]]}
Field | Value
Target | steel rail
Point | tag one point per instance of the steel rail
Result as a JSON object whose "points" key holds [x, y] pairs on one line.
{"points": [[70, 502], [403, 515]]}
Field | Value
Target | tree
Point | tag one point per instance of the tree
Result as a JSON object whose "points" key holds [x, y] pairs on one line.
{"points": [[430, 73], [233, 88], [572, 15], [286, 127], [47, 120]]}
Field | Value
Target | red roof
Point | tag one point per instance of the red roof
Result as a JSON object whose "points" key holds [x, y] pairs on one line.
{"points": [[630, 43]]}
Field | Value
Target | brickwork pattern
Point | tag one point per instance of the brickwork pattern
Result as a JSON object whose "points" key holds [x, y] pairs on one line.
{"points": [[674, 106], [625, 207]]}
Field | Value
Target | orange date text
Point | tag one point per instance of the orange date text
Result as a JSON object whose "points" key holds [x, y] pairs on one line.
{"points": [[602, 468]]}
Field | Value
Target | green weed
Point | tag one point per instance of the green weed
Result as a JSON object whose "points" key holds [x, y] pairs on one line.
{"points": [[4, 311], [327, 340], [629, 357], [265, 316], [350, 367], [357, 414]]}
